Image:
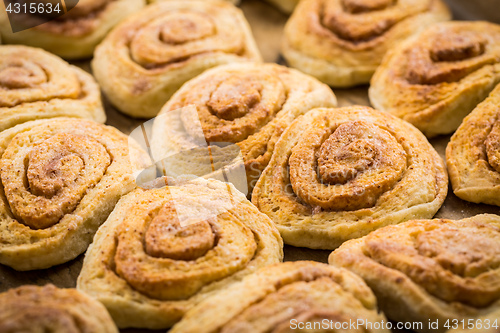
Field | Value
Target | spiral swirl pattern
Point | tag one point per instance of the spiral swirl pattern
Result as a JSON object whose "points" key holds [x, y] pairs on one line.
{"points": [[73, 35], [151, 258], [60, 179], [439, 77], [147, 58], [246, 104], [342, 42], [49, 309], [473, 154], [268, 301], [450, 268], [338, 174], [35, 84]]}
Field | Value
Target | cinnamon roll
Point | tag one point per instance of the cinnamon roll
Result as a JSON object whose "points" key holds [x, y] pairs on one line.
{"points": [[342, 42], [35, 84], [163, 250], [473, 154], [436, 79], [430, 269], [73, 35], [338, 174], [287, 296], [60, 178], [144, 60], [246, 104], [50, 309]]}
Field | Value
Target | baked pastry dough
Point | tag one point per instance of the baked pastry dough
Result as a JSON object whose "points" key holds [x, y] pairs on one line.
{"points": [[60, 179], [235, 2], [163, 250], [144, 60], [338, 174], [35, 84], [430, 269], [473, 154], [75, 34], [342, 42], [247, 104], [436, 79], [50, 309], [277, 297]]}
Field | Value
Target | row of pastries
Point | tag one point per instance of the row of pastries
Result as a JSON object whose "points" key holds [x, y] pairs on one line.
{"points": [[200, 254]]}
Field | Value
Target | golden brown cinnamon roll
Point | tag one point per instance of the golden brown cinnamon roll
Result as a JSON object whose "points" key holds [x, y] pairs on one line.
{"points": [[35, 84], [342, 42], [284, 298], [473, 154], [60, 179], [50, 309], [338, 174], [147, 58], [75, 34], [246, 104], [163, 250], [436, 79], [430, 269]]}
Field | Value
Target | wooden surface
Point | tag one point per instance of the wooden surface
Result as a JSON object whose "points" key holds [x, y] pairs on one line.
{"points": [[267, 25]]}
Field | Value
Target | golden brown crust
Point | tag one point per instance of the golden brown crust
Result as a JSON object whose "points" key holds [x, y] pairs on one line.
{"points": [[150, 262], [35, 85], [269, 301], [430, 269], [337, 174], [473, 154], [148, 57], [50, 309], [60, 179], [434, 80], [75, 34], [342, 42], [247, 104]]}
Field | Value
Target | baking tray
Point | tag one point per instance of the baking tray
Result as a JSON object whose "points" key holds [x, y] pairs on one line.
{"points": [[267, 26]]}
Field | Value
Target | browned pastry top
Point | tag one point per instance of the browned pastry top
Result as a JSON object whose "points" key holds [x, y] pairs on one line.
{"points": [[50, 309]]}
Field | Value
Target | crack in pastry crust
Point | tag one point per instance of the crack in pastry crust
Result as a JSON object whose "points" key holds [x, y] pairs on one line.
{"points": [[148, 57], [150, 262], [268, 300], [338, 174], [35, 84], [342, 42], [60, 179], [472, 155], [436, 79], [430, 268]]}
